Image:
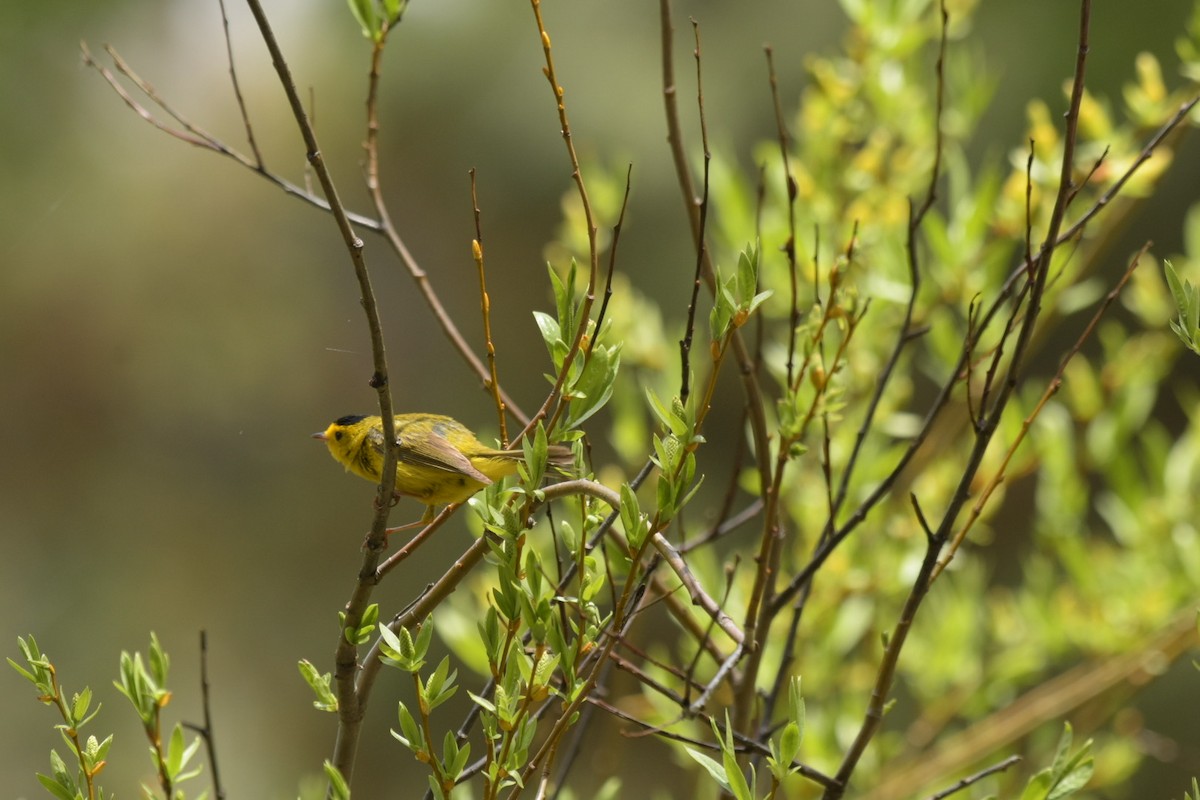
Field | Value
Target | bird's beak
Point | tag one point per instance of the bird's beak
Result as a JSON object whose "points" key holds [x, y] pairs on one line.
{"points": [[320, 435]]}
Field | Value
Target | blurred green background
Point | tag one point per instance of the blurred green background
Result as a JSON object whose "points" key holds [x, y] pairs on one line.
{"points": [[172, 328]]}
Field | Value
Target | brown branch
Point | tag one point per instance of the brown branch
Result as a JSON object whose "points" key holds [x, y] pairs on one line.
{"points": [[206, 731], [685, 344], [789, 247], [906, 335], [485, 307], [755, 402], [237, 87], [193, 135], [971, 780], [1051, 389], [612, 258], [873, 718], [350, 709], [1050, 700], [589, 219], [670, 555]]}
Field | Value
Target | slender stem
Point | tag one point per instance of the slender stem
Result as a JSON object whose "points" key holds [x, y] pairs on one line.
{"points": [[237, 88], [685, 344], [971, 780], [873, 719], [485, 307], [207, 732], [588, 217], [789, 247], [350, 709], [1051, 389]]}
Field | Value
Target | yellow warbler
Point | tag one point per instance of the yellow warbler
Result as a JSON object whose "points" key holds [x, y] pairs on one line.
{"points": [[440, 460]]}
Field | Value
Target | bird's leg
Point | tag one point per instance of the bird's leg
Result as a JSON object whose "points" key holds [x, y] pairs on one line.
{"points": [[425, 519]]}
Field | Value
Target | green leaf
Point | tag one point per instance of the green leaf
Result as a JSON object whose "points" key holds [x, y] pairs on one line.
{"points": [[394, 9], [337, 784], [796, 706], [79, 706], [632, 519], [28, 675], [482, 702], [1075, 779], [454, 757], [551, 332], [676, 424], [733, 773], [1038, 787], [789, 747], [57, 789], [758, 300], [326, 699], [747, 273], [713, 767], [1062, 751], [1187, 307], [440, 686], [410, 733], [594, 387], [368, 20], [175, 751], [160, 662]]}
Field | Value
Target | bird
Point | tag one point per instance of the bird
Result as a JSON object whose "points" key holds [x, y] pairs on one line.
{"points": [[439, 460]]}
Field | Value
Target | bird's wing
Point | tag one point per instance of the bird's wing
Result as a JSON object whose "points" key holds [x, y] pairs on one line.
{"points": [[436, 453]]}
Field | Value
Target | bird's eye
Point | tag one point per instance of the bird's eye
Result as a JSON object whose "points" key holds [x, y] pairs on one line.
{"points": [[338, 436]]}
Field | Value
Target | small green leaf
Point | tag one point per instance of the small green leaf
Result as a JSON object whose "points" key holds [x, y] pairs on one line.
{"points": [[80, 704], [410, 733], [57, 789], [160, 662], [669, 420], [548, 325], [796, 706], [789, 745], [733, 773], [747, 273], [28, 675], [1038, 787], [482, 702], [1061, 753], [631, 517], [713, 767], [337, 784], [326, 699], [364, 12]]}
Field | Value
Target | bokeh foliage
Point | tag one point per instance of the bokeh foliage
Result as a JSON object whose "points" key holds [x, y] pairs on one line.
{"points": [[1084, 554]]}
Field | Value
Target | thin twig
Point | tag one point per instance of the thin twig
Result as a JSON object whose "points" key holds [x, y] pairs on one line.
{"points": [[1026, 425], [747, 368], [350, 710], [192, 135], [670, 555], [485, 307], [589, 219], [1050, 700], [789, 247], [237, 88], [873, 718], [207, 731], [685, 344], [612, 258], [916, 217], [970, 780]]}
